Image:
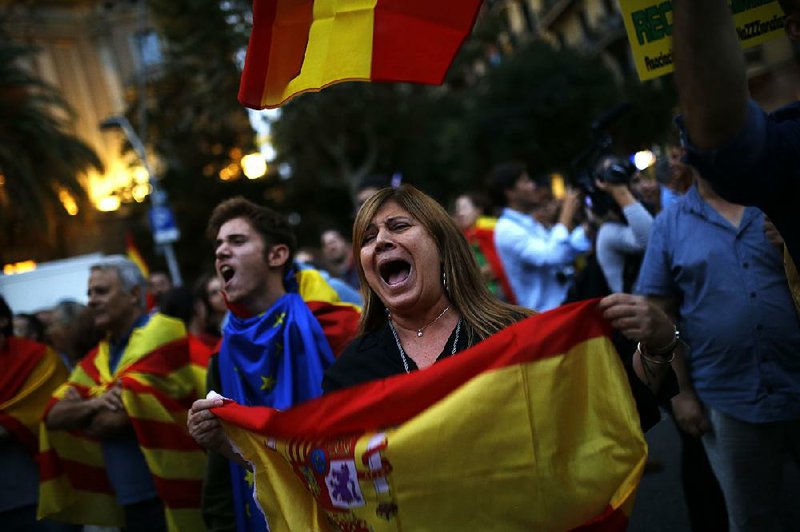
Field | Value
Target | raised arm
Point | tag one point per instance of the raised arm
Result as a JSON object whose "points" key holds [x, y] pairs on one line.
{"points": [[709, 71]]}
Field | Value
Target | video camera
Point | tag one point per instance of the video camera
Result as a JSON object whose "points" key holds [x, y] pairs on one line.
{"points": [[596, 163]]}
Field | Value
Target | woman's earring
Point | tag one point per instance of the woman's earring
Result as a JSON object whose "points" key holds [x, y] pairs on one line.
{"points": [[444, 282]]}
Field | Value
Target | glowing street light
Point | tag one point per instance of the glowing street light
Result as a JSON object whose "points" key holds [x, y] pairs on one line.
{"points": [[162, 221], [254, 165], [644, 159]]}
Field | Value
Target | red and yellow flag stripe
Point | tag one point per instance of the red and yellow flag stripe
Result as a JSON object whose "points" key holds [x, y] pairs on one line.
{"points": [[30, 373], [133, 253], [305, 45], [158, 387], [552, 430], [339, 320], [483, 233]]}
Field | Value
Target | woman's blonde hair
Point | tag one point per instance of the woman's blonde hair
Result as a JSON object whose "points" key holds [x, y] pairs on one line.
{"points": [[483, 314]]}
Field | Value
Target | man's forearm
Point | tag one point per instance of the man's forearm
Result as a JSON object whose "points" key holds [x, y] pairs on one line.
{"points": [[709, 71], [70, 414], [109, 424]]}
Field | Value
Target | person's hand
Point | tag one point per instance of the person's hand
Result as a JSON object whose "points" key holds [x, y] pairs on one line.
{"points": [[111, 399], [638, 319], [689, 414], [205, 427], [569, 207], [619, 192], [609, 187], [772, 234], [72, 394]]}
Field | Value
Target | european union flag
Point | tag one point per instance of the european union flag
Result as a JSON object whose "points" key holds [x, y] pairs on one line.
{"points": [[276, 359]]}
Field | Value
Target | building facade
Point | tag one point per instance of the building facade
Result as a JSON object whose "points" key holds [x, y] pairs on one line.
{"points": [[93, 52]]}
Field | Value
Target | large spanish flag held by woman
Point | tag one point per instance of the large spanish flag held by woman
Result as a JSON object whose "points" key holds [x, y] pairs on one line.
{"points": [[305, 45], [532, 429]]}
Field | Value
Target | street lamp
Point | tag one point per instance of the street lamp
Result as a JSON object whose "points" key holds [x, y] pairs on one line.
{"points": [[162, 221]]}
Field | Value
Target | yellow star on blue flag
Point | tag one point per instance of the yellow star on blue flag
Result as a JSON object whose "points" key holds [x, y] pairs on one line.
{"points": [[267, 383]]}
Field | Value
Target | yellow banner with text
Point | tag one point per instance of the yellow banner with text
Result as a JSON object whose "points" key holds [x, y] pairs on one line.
{"points": [[649, 27]]}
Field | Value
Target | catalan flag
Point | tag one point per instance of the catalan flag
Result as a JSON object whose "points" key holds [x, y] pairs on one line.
{"points": [[305, 45], [157, 391], [200, 354], [31, 372], [534, 428]]}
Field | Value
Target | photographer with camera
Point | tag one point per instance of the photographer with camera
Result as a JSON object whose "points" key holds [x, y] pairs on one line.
{"points": [[537, 259], [622, 237]]}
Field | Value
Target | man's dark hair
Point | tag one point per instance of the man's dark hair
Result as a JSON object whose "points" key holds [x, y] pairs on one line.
{"points": [[178, 302], [790, 6], [480, 201], [272, 226], [35, 327], [374, 181], [502, 178], [335, 229], [7, 317]]}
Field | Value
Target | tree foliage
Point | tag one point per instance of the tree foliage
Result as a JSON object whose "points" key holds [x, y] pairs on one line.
{"points": [[38, 156], [194, 122]]}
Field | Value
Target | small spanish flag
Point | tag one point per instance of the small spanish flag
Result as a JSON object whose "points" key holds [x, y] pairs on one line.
{"points": [[534, 428], [133, 253], [305, 45]]}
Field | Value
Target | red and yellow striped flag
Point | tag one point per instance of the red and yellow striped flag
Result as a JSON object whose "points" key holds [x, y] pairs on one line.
{"points": [[305, 45], [30, 373], [132, 251], [483, 234], [157, 390], [532, 429]]}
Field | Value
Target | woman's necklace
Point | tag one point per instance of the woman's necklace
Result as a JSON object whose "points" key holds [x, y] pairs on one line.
{"points": [[421, 329], [403, 353]]}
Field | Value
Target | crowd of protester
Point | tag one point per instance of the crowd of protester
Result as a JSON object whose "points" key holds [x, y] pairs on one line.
{"points": [[94, 398]]}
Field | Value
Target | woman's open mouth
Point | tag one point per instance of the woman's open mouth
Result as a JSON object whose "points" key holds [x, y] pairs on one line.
{"points": [[394, 272]]}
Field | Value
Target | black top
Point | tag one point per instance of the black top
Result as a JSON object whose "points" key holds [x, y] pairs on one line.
{"points": [[376, 356]]}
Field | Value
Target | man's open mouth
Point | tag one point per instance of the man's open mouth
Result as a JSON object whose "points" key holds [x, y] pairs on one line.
{"points": [[227, 272], [394, 272]]}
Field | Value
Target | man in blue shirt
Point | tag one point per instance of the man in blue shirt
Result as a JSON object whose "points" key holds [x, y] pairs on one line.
{"points": [[750, 157], [537, 259], [709, 263]]}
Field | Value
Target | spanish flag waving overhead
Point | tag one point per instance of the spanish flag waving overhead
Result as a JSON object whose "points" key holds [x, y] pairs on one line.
{"points": [[532, 429], [158, 388], [305, 45]]}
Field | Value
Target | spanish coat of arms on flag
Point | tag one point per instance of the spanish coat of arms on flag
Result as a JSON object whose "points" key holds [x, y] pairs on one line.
{"points": [[534, 428]]}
